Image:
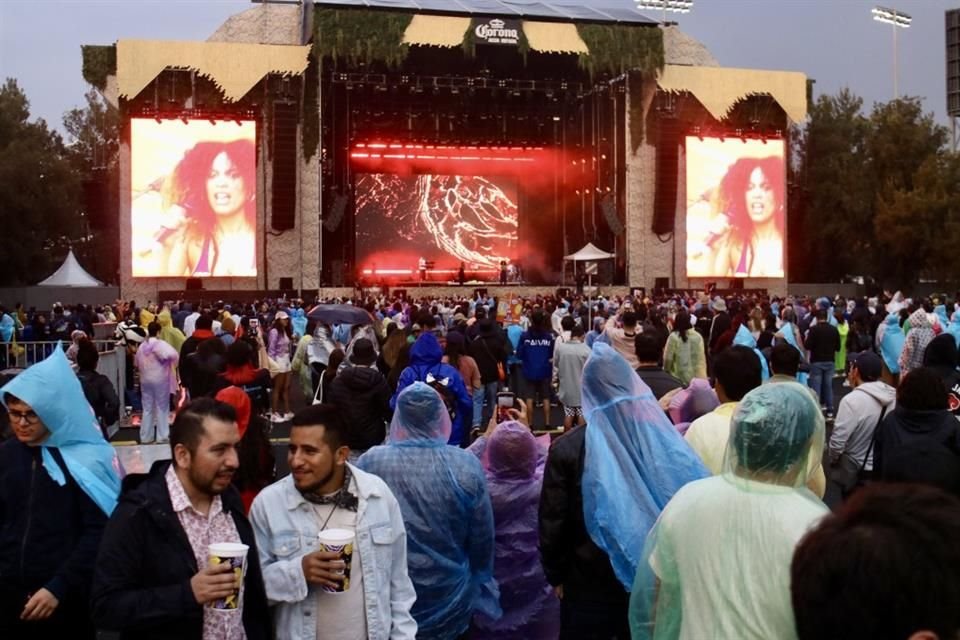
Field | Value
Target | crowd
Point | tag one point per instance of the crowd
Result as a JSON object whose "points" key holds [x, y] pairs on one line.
{"points": [[681, 416]]}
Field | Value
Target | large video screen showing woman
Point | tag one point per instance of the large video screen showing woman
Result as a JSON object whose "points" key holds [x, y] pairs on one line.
{"points": [[736, 208], [193, 198]]}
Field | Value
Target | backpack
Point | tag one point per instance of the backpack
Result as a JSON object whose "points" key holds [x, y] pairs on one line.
{"points": [[442, 386]]}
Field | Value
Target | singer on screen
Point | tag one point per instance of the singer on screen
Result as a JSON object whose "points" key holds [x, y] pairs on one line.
{"points": [[210, 209], [745, 235]]}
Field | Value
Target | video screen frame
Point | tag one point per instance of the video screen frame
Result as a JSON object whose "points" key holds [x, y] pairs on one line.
{"points": [[736, 207], [194, 198]]}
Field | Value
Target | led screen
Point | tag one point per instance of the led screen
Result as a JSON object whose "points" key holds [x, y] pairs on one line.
{"points": [[193, 198], [445, 219], [736, 208]]}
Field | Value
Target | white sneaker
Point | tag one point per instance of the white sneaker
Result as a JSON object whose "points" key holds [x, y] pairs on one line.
{"points": [[288, 415], [276, 417]]}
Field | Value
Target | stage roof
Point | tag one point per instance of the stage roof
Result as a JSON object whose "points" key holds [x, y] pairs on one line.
{"points": [[564, 10]]}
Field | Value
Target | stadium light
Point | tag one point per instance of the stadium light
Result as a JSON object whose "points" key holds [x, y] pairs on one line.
{"points": [[676, 6], [899, 20]]}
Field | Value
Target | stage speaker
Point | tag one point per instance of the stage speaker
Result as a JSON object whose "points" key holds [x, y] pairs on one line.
{"points": [[194, 284], [283, 151], [668, 170], [337, 209], [952, 20], [736, 284], [609, 208], [286, 284], [96, 202], [660, 284]]}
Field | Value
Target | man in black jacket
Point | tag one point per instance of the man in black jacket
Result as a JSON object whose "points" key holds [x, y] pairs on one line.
{"points": [[152, 578], [97, 387], [648, 353], [823, 341], [489, 350], [579, 570], [49, 531], [361, 393]]}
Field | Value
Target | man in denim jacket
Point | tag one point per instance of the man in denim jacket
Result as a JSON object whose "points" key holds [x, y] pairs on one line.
{"points": [[317, 596]]}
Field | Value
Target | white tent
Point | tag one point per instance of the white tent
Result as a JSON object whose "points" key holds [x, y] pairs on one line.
{"points": [[71, 274], [589, 253]]}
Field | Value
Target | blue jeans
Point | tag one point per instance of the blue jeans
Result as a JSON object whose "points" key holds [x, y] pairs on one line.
{"points": [[821, 381], [486, 394]]}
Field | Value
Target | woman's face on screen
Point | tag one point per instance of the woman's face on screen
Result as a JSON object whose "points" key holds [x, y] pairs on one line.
{"points": [[761, 202], [226, 192]]}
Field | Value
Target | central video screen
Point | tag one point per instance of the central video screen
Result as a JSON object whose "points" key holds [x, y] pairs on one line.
{"points": [[444, 219], [736, 208], [193, 198]]}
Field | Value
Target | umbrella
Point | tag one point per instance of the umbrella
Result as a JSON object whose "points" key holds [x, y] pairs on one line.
{"points": [[340, 314]]}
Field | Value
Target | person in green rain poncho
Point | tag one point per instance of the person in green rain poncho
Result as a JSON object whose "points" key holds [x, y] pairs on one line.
{"points": [[735, 582]]}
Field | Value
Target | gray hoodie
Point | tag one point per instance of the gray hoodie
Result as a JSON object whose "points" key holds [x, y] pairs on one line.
{"points": [[857, 418]]}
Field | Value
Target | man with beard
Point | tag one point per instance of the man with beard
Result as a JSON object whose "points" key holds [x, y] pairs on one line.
{"points": [[372, 597], [153, 578]]}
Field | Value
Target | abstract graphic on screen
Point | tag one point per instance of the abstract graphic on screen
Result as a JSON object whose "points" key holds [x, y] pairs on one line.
{"points": [[445, 219], [736, 208], [193, 198]]}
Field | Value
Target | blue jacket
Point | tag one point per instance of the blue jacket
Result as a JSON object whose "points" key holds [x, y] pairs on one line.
{"points": [[536, 354], [425, 358]]}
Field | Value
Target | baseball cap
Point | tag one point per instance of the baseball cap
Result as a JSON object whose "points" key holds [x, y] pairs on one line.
{"points": [[869, 365]]}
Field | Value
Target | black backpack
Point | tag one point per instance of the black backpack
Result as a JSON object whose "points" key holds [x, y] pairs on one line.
{"points": [[442, 386]]}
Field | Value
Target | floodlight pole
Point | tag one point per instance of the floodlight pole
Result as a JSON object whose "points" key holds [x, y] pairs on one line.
{"points": [[896, 92]]}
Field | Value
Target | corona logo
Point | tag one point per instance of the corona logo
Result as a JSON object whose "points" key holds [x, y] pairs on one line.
{"points": [[496, 29]]}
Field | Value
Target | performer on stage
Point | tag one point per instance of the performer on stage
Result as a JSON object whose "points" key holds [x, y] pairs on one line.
{"points": [[422, 267], [503, 272], [461, 274]]}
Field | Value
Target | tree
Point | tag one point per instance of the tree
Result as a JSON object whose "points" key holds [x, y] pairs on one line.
{"points": [[94, 134], [38, 191], [875, 192], [834, 190]]}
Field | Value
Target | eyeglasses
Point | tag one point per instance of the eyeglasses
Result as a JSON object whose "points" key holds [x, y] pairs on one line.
{"points": [[30, 417]]}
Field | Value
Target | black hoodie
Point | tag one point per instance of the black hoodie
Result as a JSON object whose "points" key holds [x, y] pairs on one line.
{"points": [[919, 446]]}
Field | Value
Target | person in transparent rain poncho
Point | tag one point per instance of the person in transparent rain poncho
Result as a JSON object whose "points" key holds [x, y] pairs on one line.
{"points": [[717, 562], [445, 504], [513, 460], [603, 488]]}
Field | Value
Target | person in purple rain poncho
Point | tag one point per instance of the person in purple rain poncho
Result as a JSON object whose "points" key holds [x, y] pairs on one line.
{"points": [[513, 461]]}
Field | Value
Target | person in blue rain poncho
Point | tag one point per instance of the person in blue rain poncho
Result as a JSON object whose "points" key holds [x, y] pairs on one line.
{"points": [[953, 328], [446, 508], [59, 482], [745, 339], [603, 488], [298, 320], [890, 341], [426, 366], [717, 563]]}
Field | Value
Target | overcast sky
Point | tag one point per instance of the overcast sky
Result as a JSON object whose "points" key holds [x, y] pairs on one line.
{"points": [[834, 42]]}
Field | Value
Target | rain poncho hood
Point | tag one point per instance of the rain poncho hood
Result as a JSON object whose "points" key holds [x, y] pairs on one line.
{"points": [[755, 510], [941, 312], [298, 319], [698, 399], [169, 333], [53, 391], [634, 460], [513, 461], [426, 351], [367, 332], [745, 339], [240, 401], [443, 497], [7, 326], [916, 341], [890, 340]]}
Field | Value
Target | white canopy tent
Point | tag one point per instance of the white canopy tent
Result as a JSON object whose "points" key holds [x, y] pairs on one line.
{"points": [[71, 274], [589, 253]]}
